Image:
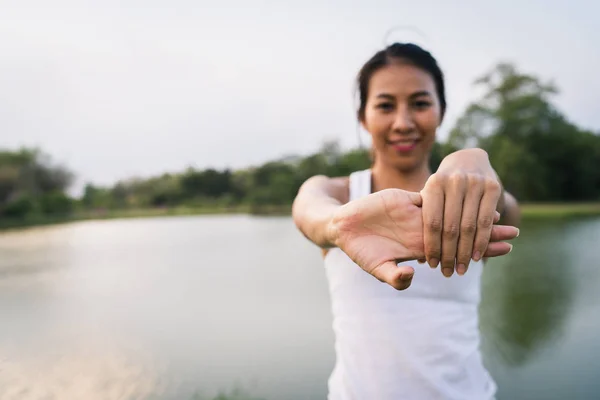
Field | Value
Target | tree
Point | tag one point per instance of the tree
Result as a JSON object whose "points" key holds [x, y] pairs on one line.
{"points": [[30, 183], [537, 153]]}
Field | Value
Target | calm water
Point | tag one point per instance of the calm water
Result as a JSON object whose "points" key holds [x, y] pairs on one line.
{"points": [[174, 308]]}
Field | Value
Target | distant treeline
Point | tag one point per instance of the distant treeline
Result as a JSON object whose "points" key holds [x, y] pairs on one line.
{"points": [[539, 155]]}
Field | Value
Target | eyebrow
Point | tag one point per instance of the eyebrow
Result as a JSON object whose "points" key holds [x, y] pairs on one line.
{"points": [[413, 95]]}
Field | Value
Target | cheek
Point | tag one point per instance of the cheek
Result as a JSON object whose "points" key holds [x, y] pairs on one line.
{"points": [[428, 124], [376, 124]]}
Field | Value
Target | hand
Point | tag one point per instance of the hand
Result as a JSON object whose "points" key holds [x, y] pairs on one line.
{"points": [[459, 211], [386, 228]]}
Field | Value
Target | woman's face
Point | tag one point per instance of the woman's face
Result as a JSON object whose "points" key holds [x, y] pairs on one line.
{"points": [[402, 114]]}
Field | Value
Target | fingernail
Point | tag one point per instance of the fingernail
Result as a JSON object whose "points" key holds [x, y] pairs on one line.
{"points": [[511, 247], [433, 263], [447, 272], [476, 255], [461, 269], [518, 232]]}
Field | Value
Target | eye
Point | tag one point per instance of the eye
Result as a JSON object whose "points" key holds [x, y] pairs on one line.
{"points": [[387, 106], [422, 104]]}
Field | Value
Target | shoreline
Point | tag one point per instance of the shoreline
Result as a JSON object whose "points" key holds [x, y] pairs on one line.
{"points": [[531, 211]]}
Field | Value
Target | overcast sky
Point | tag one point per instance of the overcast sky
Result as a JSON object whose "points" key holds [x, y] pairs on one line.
{"points": [[117, 88]]}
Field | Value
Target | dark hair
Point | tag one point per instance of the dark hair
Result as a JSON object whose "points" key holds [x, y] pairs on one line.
{"points": [[407, 52]]}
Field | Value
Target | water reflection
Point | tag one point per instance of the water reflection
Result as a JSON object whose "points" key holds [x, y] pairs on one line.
{"points": [[528, 295]]}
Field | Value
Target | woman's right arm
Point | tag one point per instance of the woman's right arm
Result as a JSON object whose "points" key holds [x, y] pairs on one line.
{"points": [[315, 204], [377, 231]]}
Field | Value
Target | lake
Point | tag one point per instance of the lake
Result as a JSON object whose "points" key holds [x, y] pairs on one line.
{"points": [[185, 307]]}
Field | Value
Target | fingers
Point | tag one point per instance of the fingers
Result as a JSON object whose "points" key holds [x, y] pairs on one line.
{"points": [[468, 225], [433, 217], [399, 277], [453, 211], [485, 218], [496, 249], [503, 232]]}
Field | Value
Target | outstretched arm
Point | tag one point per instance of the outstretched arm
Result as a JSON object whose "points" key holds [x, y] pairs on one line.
{"points": [[377, 231]]}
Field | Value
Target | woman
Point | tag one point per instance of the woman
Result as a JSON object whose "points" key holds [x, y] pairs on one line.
{"points": [[399, 337]]}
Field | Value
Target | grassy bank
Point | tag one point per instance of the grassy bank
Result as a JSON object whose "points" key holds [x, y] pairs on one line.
{"points": [[529, 211], [563, 210], [41, 220]]}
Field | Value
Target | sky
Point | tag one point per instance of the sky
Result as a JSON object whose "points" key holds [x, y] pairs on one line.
{"points": [[119, 88]]}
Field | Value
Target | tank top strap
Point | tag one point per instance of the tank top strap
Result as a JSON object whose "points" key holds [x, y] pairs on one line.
{"points": [[360, 184]]}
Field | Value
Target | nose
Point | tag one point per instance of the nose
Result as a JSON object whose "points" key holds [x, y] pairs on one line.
{"points": [[403, 121]]}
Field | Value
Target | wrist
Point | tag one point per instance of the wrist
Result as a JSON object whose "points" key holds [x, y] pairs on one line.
{"points": [[466, 156], [332, 228]]}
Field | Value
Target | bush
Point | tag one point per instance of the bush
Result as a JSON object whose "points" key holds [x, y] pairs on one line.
{"points": [[19, 208], [56, 203]]}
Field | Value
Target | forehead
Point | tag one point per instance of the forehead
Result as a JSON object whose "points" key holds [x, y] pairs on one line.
{"points": [[401, 79]]}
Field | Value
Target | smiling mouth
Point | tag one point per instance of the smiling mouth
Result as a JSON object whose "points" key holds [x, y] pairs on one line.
{"points": [[405, 146]]}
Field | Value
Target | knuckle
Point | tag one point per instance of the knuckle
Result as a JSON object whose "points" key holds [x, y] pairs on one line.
{"points": [[436, 180], [474, 179], [433, 254], [457, 180], [481, 245], [492, 185], [451, 231], [448, 262], [463, 256], [468, 228], [486, 221], [435, 225]]}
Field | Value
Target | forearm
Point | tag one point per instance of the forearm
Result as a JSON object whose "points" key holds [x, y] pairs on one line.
{"points": [[315, 205]]}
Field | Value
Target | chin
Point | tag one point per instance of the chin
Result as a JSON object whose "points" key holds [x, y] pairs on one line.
{"points": [[407, 167], [405, 164], [407, 161]]}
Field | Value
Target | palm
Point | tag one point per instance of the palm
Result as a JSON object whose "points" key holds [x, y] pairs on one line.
{"points": [[386, 226]]}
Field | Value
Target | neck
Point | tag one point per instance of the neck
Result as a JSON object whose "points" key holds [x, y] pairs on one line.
{"points": [[389, 177]]}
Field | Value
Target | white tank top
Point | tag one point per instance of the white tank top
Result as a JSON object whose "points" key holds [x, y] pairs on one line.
{"points": [[422, 343]]}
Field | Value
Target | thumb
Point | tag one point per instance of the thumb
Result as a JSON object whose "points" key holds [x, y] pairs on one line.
{"points": [[399, 277], [415, 198]]}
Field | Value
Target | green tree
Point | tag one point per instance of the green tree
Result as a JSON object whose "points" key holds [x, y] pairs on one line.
{"points": [[30, 183], [538, 154]]}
